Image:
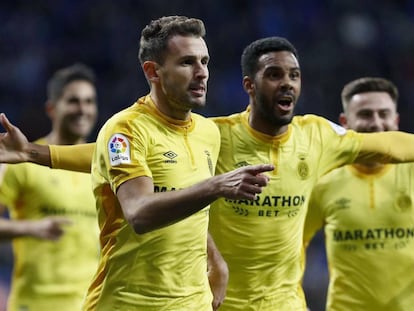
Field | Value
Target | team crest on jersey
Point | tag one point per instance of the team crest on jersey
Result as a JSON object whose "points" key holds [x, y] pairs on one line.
{"points": [[303, 167], [209, 162], [403, 202], [338, 129], [118, 149]]}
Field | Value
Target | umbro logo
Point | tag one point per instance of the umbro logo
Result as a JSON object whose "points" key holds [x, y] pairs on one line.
{"points": [[342, 203], [241, 164], [170, 155]]}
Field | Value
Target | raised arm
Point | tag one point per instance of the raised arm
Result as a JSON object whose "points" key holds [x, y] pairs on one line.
{"points": [[15, 148], [147, 211], [386, 147]]}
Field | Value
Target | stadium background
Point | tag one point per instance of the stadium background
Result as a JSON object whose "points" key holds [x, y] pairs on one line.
{"points": [[337, 40]]}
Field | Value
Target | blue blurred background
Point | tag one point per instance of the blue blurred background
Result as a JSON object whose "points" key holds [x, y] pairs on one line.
{"points": [[337, 40]]}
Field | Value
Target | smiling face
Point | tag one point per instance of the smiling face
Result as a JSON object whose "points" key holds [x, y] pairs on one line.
{"points": [[370, 112], [180, 82], [74, 113], [273, 92]]}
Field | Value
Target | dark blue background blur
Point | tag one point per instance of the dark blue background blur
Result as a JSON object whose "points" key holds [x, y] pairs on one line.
{"points": [[337, 40]]}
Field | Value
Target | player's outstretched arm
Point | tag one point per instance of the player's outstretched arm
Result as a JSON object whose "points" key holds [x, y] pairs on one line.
{"points": [[15, 148], [49, 228], [147, 211]]}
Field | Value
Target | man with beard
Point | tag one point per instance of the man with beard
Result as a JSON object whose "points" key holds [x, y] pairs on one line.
{"points": [[261, 238], [153, 180], [367, 213]]}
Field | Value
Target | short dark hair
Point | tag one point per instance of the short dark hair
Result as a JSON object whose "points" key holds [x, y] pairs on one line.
{"points": [[66, 75], [368, 84], [155, 36], [251, 54]]}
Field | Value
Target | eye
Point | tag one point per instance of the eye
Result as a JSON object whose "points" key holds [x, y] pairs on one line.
{"points": [[205, 61], [295, 75], [274, 74], [73, 100], [365, 114]]}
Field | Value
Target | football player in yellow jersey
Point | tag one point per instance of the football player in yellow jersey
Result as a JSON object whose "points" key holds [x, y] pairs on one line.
{"points": [[153, 179], [367, 213], [261, 238], [52, 222]]}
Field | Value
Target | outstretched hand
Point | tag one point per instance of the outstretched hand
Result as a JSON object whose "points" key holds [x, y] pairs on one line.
{"points": [[13, 143], [49, 228], [245, 182]]}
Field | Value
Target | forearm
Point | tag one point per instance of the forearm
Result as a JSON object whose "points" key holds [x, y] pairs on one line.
{"points": [[10, 229], [387, 147], [147, 212], [214, 259], [39, 154], [218, 273]]}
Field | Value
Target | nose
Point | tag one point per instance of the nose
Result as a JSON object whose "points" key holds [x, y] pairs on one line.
{"points": [[377, 123], [286, 83], [85, 106], [201, 71], [82, 106]]}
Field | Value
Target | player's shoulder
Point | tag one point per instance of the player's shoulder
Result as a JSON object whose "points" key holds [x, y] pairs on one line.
{"points": [[203, 121], [318, 123], [125, 118], [229, 120], [309, 120]]}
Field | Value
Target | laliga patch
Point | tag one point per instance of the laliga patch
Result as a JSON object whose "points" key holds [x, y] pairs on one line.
{"points": [[338, 129], [118, 149]]}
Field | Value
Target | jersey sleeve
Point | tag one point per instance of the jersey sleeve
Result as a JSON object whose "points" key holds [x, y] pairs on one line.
{"points": [[121, 151], [339, 146], [73, 158], [387, 147]]}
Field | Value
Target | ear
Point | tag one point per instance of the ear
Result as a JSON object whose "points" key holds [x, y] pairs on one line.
{"points": [[342, 120], [50, 109], [248, 85], [150, 70]]}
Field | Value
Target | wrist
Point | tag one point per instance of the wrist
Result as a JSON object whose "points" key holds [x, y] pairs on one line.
{"points": [[39, 154]]}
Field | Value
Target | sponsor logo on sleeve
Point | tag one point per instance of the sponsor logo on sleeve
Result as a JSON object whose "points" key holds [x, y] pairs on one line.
{"points": [[118, 149], [338, 129]]}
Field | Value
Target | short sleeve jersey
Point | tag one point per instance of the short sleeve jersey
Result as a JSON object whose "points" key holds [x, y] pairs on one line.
{"points": [[51, 274], [164, 269], [261, 240], [369, 232]]}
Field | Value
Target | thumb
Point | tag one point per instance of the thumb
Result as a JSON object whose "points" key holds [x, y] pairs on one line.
{"points": [[5, 122]]}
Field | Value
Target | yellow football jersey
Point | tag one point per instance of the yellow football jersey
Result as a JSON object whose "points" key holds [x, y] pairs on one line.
{"points": [[164, 269], [261, 240], [51, 275], [369, 232]]}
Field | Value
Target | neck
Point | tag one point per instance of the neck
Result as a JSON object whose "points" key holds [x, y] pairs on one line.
{"points": [[169, 107], [263, 126]]}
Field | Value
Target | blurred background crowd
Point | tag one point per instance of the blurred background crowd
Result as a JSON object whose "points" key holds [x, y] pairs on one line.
{"points": [[337, 40]]}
